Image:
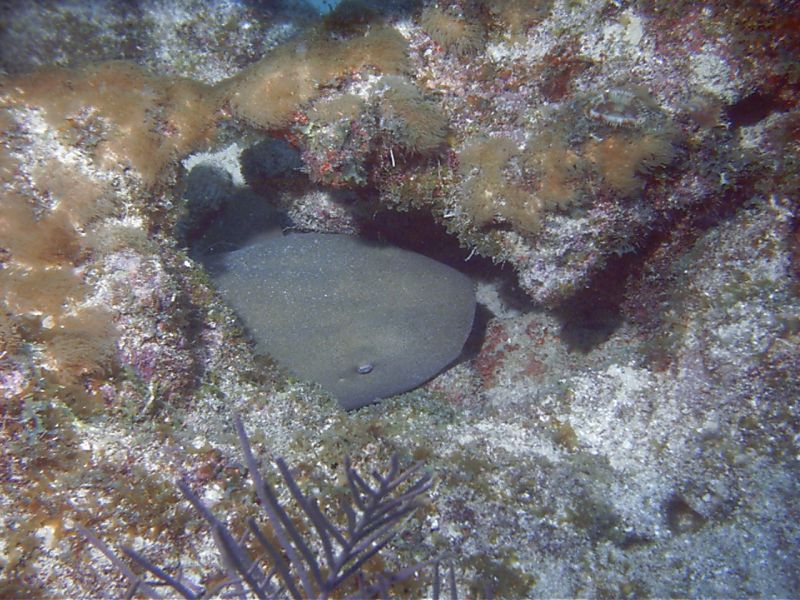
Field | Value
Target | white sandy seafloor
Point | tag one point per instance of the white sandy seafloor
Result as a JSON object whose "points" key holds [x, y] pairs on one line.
{"points": [[592, 473]]}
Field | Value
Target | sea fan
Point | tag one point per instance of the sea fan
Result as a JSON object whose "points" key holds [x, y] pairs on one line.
{"points": [[374, 514]]}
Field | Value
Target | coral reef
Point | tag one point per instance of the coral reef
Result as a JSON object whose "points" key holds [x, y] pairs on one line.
{"points": [[622, 179], [373, 516]]}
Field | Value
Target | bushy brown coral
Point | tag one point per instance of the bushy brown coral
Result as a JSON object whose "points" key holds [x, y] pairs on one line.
{"points": [[82, 344], [10, 338], [331, 110], [270, 91], [36, 242], [505, 183], [620, 159], [557, 169], [516, 16], [451, 29], [48, 207], [43, 286], [481, 163], [418, 124], [502, 181], [41, 291], [139, 120]]}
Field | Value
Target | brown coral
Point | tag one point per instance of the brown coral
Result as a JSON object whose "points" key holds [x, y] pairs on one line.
{"points": [[496, 187], [82, 344], [48, 240], [620, 159], [116, 120], [516, 16], [418, 123], [452, 30], [139, 120], [45, 212], [482, 162], [331, 110], [10, 338], [557, 169], [41, 291], [269, 92]]}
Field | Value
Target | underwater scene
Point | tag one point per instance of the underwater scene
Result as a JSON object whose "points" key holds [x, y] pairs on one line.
{"points": [[400, 299]]}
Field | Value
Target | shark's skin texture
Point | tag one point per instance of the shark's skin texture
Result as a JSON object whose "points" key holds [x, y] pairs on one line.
{"points": [[365, 321]]}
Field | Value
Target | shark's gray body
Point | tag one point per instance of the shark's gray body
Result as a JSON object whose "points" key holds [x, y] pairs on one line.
{"points": [[365, 321]]}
